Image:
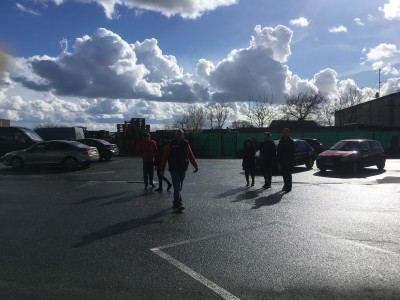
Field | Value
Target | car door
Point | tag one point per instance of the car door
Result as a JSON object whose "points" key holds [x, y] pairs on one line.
{"points": [[301, 153], [366, 155], [36, 155], [57, 152]]}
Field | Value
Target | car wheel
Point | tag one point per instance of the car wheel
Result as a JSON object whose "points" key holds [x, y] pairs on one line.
{"points": [[381, 164], [17, 163], [310, 163], [71, 163], [355, 167], [107, 157]]}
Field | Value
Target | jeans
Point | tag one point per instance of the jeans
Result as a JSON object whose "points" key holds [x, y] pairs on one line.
{"points": [[177, 181], [148, 173], [161, 178]]}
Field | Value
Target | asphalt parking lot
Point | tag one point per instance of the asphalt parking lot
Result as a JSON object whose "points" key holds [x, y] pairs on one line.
{"points": [[97, 234]]}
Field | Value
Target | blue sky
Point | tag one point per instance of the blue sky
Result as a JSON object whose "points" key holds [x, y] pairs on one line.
{"points": [[97, 63]]}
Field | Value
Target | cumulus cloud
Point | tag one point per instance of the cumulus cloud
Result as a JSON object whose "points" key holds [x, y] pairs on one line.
{"points": [[252, 71], [358, 21], [190, 9], [104, 65], [338, 29], [300, 22], [391, 86], [325, 81], [383, 50], [391, 10]]}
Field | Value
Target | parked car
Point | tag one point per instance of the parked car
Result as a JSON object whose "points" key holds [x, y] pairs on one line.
{"points": [[315, 144], [352, 154], [106, 149], [304, 155], [69, 154], [17, 138]]}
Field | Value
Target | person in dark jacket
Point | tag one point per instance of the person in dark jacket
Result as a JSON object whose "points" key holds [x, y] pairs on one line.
{"points": [[147, 150], [249, 161], [286, 151], [157, 165], [267, 154], [178, 154]]}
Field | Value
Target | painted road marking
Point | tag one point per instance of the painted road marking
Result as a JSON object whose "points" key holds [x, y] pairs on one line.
{"points": [[200, 278]]}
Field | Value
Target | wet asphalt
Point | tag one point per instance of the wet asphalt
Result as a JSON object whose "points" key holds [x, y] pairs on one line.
{"points": [[97, 234]]}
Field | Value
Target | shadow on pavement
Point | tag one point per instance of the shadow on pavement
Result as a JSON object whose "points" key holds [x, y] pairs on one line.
{"points": [[230, 192], [120, 227], [363, 173], [269, 200], [248, 194]]}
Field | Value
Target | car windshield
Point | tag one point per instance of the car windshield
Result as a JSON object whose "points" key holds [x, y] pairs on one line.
{"points": [[33, 135], [345, 146]]}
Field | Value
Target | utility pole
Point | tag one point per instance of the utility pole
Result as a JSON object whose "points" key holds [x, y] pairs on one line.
{"points": [[379, 82]]}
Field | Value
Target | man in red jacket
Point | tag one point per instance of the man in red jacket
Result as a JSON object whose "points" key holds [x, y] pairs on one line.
{"points": [[178, 154], [147, 150]]}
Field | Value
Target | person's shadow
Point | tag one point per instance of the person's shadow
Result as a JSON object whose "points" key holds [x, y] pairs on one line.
{"points": [[119, 228], [269, 200], [248, 194]]}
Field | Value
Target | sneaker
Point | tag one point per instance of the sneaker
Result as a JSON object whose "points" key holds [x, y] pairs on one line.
{"points": [[252, 184], [169, 187], [159, 190], [153, 185]]}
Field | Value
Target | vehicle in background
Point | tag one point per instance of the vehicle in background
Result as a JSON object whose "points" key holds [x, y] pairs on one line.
{"points": [[315, 144], [352, 154], [106, 149], [69, 154], [304, 155], [16, 138], [61, 133]]}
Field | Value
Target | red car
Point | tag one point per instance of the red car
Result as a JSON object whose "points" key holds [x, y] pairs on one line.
{"points": [[352, 155]]}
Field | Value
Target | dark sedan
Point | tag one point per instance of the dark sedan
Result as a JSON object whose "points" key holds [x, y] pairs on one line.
{"points": [[352, 155], [304, 155], [106, 149]]}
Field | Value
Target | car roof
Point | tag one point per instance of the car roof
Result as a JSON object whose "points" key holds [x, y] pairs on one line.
{"points": [[357, 140]]}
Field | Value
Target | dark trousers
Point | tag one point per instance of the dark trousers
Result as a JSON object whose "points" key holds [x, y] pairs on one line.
{"points": [[286, 171], [161, 178], [177, 182], [247, 173], [267, 172], [148, 173]]}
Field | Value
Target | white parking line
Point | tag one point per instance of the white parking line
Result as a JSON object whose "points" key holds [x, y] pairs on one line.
{"points": [[200, 278]]}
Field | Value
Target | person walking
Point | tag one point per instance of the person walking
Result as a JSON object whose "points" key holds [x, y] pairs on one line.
{"points": [[267, 154], [147, 150], [285, 152], [157, 166], [178, 154], [249, 161]]}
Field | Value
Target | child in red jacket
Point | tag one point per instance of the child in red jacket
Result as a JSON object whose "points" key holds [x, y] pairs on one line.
{"points": [[147, 150]]}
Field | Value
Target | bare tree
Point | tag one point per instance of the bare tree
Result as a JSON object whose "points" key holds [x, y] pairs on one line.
{"points": [[350, 99], [217, 114], [260, 110], [326, 114], [241, 124], [302, 105], [194, 119]]}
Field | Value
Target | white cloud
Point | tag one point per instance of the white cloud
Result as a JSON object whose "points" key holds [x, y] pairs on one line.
{"points": [[252, 71], [337, 29], [105, 66], [27, 10], [391, 10], [382, 51], [358, 21], [325, 81], [372, 18], [300, 22], [189, 9], [391, 86]]}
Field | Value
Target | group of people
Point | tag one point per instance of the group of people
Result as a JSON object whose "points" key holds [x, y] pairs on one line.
{"points": [[269, 152], [177, 153]]}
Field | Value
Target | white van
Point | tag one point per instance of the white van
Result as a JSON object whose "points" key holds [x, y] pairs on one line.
{"points": [[16, 138]]}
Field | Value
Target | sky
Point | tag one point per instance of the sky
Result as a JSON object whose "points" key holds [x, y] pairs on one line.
{"points": [[98, 63]]}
